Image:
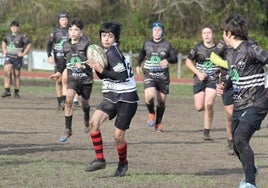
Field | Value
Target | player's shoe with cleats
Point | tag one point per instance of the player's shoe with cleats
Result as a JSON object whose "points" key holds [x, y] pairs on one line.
{"points": [[244, 184], [121, 169], [150, 121], [159, 128], [6, 94], [66, 134], [96, 165], [206, 135], [16, 95]]}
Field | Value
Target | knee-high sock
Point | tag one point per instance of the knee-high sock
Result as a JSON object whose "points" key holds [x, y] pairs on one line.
{"points": [[97, 144], [68, 122], [150, 108], [122, 153], [159, 114]]}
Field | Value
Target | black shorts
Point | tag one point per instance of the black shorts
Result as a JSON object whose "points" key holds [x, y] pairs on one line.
{"points": [[58, 63], [81, 89], [123, 111], [228, 97], [16, 62], [253, 115], [202, 86], [162, 87]]}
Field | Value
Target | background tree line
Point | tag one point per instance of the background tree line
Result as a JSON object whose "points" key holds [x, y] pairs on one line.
{"points": [[182, 18]]}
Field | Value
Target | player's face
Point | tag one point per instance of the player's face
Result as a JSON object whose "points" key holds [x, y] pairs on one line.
{"points": [[157, 33], [63, 22], [207, 35], [14, 29], [107, 39], [75, 33], [226, 37]]}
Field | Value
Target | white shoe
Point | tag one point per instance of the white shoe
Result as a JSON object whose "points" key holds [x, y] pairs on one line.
{"points": [[244, 184]]}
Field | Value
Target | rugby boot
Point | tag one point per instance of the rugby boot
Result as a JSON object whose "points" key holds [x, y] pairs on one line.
{"points": [[6, 94], [96, 165], [150, 121], [159, 128], [16, 95], [66, 134], [121, 169]]}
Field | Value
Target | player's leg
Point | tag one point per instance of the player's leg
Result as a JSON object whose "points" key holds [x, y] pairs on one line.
{"points": [[228, 116], [85, 96], [160, 109], [149, 95], [98, 117], [63, 88], [125, 114], [7, 74], [210, 96], [58, 87], [68, 115], [17, 73]]}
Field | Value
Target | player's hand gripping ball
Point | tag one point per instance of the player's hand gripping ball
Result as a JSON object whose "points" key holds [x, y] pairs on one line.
{"points": [[96, 54]]}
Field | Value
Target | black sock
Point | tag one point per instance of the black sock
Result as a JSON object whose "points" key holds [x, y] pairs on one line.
{"points": [[59, 100], [150, 108], [16, 90], [68, 122], [63, 98], [7, 89], [86, 114], [159, 114]]}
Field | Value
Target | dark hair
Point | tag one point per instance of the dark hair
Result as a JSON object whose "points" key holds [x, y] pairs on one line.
{"points": [[63, 14], [14, 23], [237, 25], [78, 23], [208, 25], [112, 27]]}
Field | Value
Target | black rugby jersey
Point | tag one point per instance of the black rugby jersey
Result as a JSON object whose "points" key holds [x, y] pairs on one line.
{"points": [[119, 90], [246, 68], [15, 43], [200, 54], [77, 53], [56, 39], [153, 52]]}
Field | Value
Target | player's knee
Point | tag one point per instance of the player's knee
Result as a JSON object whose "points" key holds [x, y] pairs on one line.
{"points": [[118, 140], [209, 107], [199, 108]]}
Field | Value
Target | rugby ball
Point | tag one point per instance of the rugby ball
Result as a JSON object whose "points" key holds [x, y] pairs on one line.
{"points": [[96, 54]]}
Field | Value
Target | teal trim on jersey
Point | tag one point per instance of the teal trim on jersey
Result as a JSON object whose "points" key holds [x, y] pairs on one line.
{"points": [[75, 60]]}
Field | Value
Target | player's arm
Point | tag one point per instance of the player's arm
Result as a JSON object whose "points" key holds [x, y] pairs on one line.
{"points": [[173, 58], [4, 47], [141, 57], [26, 50]]}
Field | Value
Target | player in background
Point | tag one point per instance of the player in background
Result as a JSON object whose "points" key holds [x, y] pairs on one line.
{"points": [[227, 96], [120, 99], [15, 46], [206, 76], [55, 42], [158, 53], [79, 75]]}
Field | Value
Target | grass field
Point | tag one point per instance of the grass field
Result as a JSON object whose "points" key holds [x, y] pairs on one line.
{"points": [[32, 156]]}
